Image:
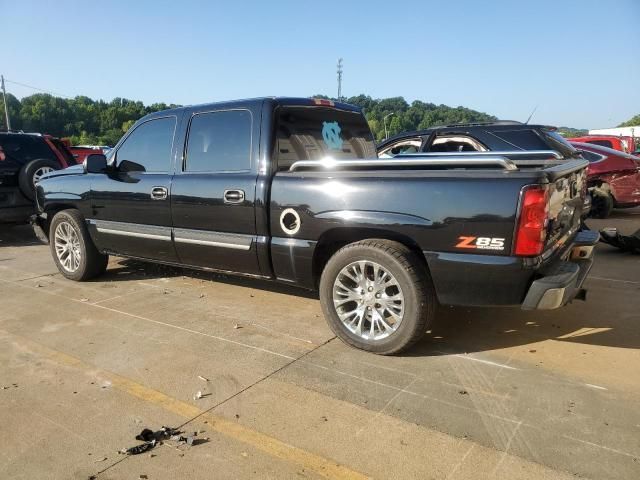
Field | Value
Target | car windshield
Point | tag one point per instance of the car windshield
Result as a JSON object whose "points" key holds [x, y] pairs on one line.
{"points": [[602, 150], [62, 148]]}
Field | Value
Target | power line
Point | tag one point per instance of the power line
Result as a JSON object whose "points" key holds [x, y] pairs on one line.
{"points": [[50, 92]]}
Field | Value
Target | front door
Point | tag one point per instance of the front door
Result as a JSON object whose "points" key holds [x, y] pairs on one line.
{"points": [[131, 206], [214, 191]]}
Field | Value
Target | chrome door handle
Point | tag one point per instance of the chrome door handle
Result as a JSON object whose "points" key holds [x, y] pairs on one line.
{"points": [[233, 196], [159, 193]]}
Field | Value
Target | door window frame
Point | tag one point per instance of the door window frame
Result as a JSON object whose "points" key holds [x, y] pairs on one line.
{"points": [[182, 170], [124, 139]]}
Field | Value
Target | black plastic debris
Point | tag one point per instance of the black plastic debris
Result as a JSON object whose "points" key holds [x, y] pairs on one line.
{"points": [[626, 243], [138, 449], [150, 439]]}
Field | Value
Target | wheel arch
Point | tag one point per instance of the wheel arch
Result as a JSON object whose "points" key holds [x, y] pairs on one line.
{"points": [[51, 210], [334, 239]]}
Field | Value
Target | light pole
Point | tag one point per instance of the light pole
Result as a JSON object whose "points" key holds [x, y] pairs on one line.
{"points": [[384, 120], [4, 97]]}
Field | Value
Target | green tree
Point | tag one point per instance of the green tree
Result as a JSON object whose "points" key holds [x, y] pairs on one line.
{"points": [[13, 105], [632, 122]]}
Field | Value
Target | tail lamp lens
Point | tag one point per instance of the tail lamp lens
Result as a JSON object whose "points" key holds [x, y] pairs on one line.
{"points": [[531, 233]]}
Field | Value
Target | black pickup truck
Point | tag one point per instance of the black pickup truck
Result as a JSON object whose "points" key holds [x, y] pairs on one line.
{"points": [[292, 190]]}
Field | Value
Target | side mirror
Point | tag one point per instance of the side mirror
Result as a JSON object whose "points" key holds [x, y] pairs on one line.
{"points": [[95, 163]]}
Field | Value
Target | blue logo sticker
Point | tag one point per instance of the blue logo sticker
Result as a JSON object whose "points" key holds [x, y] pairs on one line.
{"points": [[331, 135]]}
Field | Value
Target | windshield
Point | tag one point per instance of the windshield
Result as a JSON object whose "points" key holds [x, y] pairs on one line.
{"points": [[559, 143], [62, 148], [315, 133]]}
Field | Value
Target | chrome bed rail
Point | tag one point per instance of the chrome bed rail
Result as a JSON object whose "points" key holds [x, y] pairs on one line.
{"points": [[450, 161]]}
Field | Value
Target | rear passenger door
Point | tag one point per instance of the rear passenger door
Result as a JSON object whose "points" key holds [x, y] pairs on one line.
{"points": [[213, 195]]}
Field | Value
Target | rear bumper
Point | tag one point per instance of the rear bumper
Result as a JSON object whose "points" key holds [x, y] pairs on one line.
{"points": [[14, 207], [562, 282]]}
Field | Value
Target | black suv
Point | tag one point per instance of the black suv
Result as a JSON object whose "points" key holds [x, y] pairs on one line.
{"points": [[478, 137], [24, 158]]}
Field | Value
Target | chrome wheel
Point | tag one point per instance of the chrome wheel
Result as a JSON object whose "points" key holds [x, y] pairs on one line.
{"points": [[37, 175], [67, 245], [368, 300]]}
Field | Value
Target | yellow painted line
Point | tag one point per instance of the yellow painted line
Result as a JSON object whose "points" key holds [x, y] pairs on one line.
{"points": [[309, 461]]}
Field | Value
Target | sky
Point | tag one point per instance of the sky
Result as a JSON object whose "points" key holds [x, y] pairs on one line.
{"points": [[577, 61]]}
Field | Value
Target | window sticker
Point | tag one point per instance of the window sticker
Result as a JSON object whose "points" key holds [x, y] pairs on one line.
{"points": [[331, 135]]}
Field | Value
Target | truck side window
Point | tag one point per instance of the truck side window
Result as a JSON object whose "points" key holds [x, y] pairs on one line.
{"points": [[219, 142], [148, 147]]}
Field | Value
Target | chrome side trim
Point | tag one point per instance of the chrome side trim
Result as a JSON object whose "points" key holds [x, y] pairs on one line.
{"points": [[152, 232], [134, 234], [213, 239]]}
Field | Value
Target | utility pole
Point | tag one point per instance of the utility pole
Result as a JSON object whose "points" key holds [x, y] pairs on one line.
{"points": [[339, 79], [6, 110], [384, 120]]}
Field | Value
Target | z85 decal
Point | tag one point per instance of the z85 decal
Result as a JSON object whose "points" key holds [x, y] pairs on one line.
{"points": [[481, 243]]}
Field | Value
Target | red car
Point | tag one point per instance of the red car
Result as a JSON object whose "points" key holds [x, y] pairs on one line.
{"points": [[613, 178], [621, 143], [82, 152]]}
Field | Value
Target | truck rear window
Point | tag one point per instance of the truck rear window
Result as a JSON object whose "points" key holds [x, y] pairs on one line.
{"points": [[314, 133]]}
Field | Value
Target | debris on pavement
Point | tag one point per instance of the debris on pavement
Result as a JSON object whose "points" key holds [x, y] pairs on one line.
{"points": [[152, 438], [138, 449], [237, 325], [204, 379], [198, 395], [626, 243]]}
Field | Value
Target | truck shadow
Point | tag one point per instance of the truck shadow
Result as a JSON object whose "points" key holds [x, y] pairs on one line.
{"points": [[609, 317], [17, 235], [130, 270], [606, 319]]}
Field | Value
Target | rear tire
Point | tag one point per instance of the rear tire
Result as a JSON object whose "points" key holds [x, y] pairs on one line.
{"points": [[31, 173], [601, 205], [73, 251], [377, 296]]}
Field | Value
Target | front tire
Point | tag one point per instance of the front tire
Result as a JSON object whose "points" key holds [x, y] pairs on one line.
{"points": [[72, 249], [377, 296]]}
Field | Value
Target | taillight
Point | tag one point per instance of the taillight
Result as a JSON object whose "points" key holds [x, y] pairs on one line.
{"points": [[323, 102], [534, 210]]}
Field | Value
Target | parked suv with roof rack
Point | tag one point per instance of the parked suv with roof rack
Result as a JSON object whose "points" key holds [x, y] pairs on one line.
{"points": [[24, 159]]}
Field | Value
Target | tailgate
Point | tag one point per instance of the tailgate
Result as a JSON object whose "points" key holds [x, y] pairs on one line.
{"points": [[567, 190]]}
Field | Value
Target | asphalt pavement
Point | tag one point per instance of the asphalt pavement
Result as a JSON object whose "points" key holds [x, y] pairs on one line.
{"points": [[489, 393]]}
